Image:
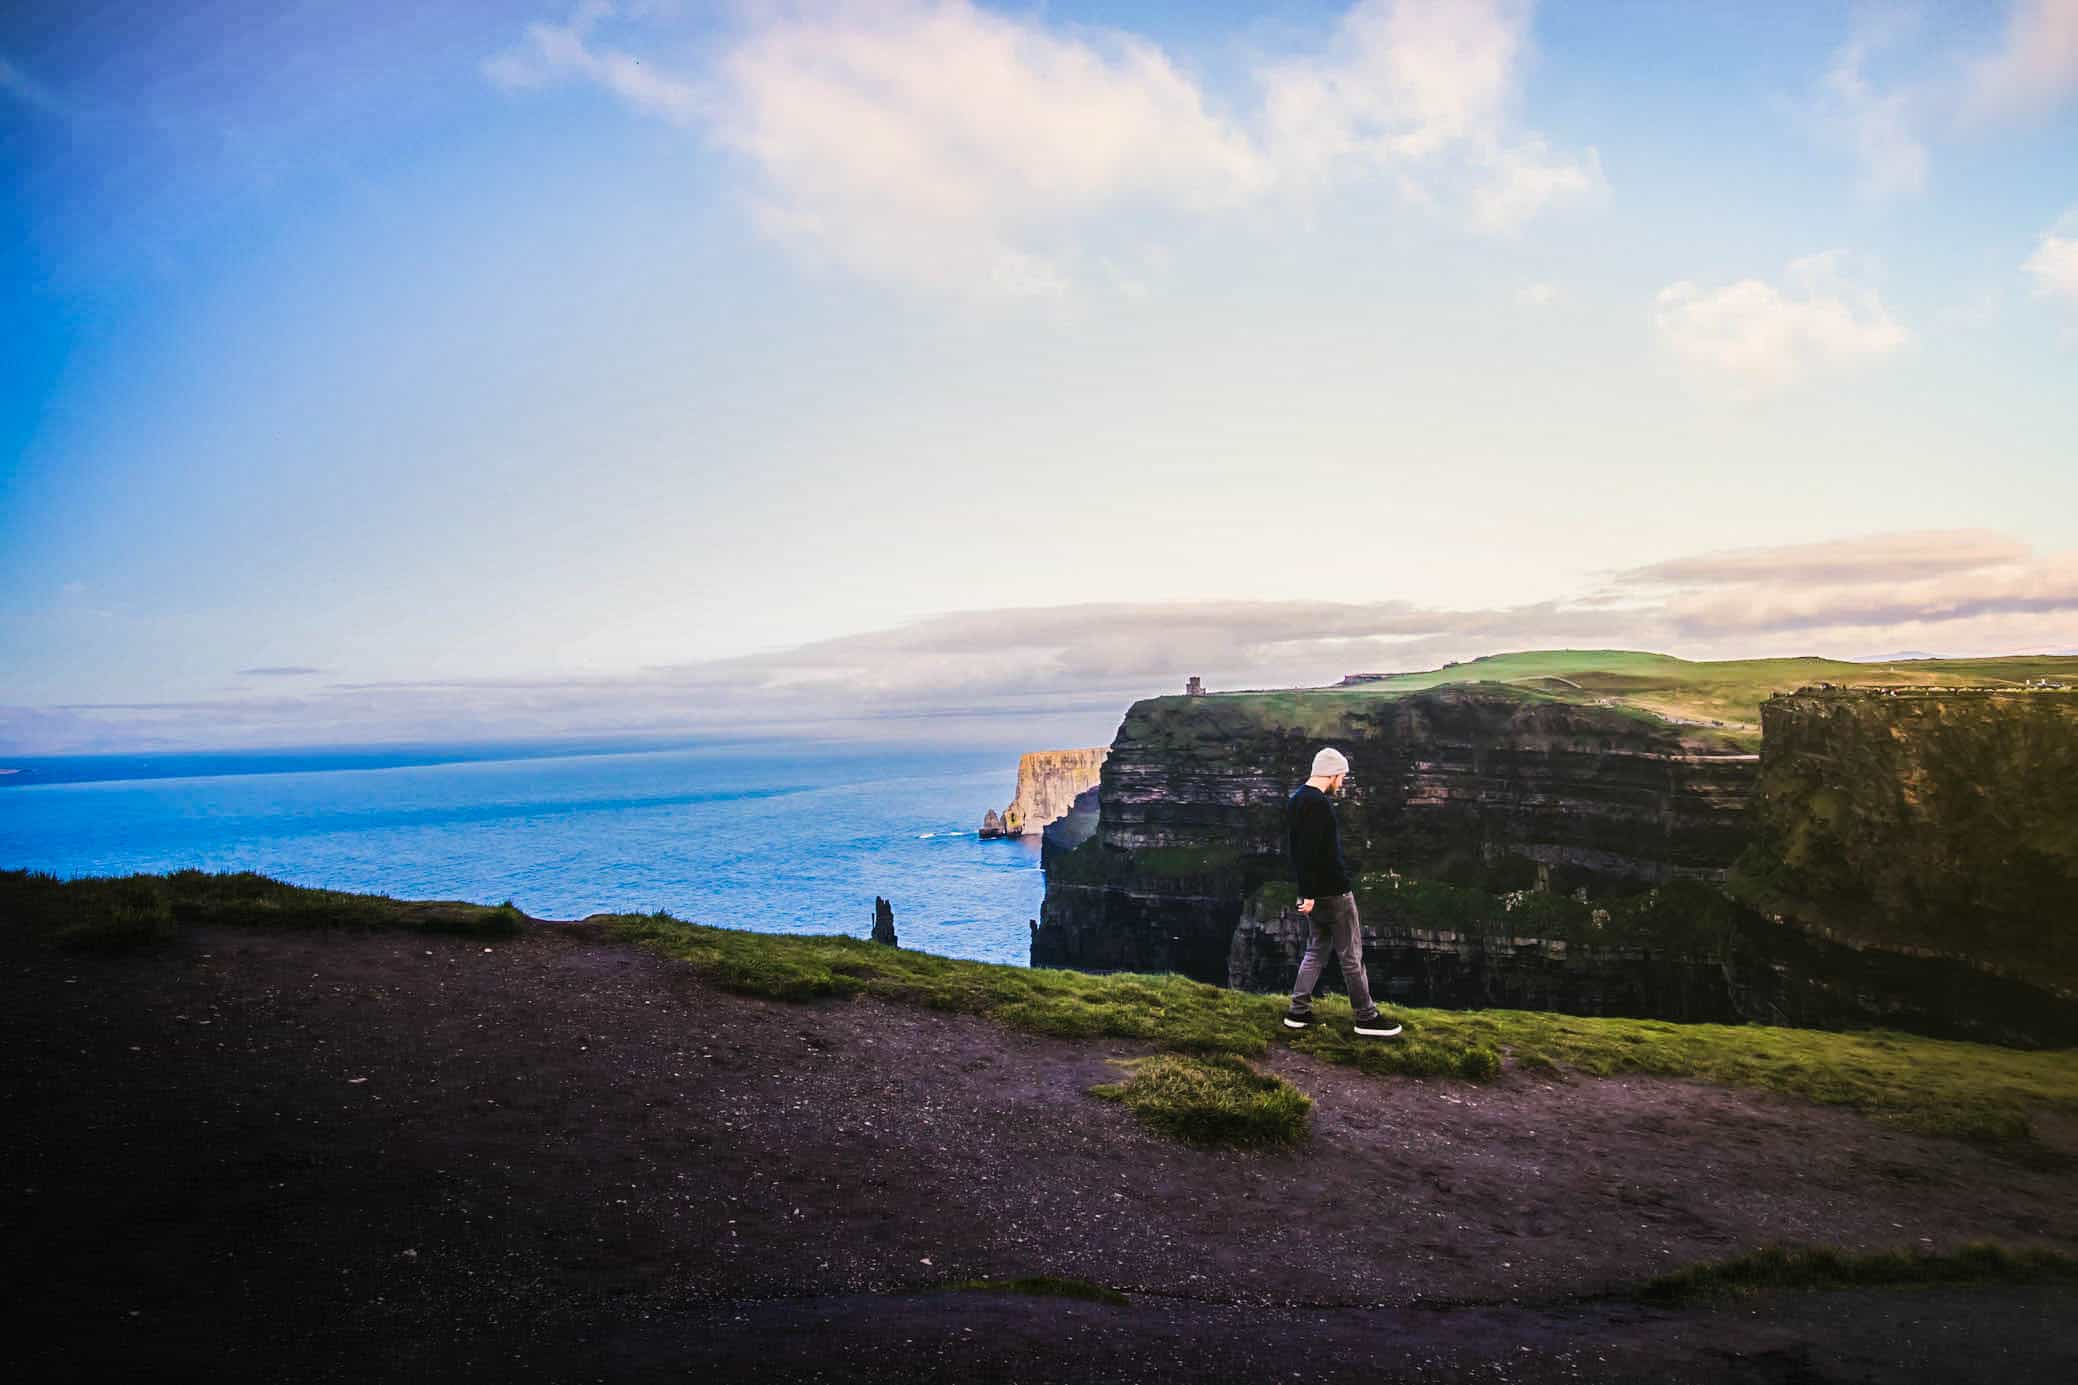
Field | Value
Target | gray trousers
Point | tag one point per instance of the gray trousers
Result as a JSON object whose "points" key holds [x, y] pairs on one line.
{"points": [[1335, 929]]}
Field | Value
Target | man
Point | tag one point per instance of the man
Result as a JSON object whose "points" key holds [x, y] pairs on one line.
{"points": [[1325, 897]]}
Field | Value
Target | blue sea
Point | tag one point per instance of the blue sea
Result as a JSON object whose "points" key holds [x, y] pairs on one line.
{"points": [[775, 837]]}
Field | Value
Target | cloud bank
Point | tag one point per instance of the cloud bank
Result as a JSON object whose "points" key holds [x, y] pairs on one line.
{"points": [[1956, 592]]}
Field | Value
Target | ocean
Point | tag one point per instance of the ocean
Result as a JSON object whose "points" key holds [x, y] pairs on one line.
{"points": [[771, 836]]}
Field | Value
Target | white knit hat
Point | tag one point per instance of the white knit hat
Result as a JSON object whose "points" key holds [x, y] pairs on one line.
{"points": [[1329, 763]]}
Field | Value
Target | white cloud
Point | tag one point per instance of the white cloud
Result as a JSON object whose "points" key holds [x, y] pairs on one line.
{"points": [[1524, 178], [2054, 264], [2030, 70], [945, 144], [1877, 125], [556, 52], [2035, 67], [1537, 295], [1760, 337], [940, 143], [1425, 91]]}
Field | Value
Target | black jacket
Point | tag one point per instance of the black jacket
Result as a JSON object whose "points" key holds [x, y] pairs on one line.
{"points": [[1315, 843]]}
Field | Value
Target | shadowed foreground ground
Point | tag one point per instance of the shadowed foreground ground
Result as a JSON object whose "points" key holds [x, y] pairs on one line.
{"points": [[270, 1155]]}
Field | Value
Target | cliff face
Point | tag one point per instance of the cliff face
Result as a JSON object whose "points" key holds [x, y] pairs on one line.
{"points": [[1048, 782], [1905, 858], [1657, 953], [1683, 951], [1475, 784], [1931, 823]]}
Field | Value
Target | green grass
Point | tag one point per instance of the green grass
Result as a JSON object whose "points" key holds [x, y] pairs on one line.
{"points": [[1931, 1085], [1044, 1286], [1217, 1102], [1728, 691], [112, 913], [1809, 1269]]}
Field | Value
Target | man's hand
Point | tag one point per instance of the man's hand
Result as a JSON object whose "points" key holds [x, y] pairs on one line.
{"points": [[1305, 906]]}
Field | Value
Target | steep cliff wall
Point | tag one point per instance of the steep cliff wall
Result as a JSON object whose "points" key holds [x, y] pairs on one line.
{"points": [[1933, 823], [1479, 784], [1049, 781], [1682, 951], [1904, 857]]}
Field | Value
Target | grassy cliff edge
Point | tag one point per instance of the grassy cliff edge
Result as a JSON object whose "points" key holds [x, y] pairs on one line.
{"points": [[1935, 1086]]}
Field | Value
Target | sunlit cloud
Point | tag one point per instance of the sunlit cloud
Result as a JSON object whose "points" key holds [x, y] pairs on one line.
{"points": [[1879, 125], [1758, 337], [942, 144], [2054, 263], [2034, 68]]}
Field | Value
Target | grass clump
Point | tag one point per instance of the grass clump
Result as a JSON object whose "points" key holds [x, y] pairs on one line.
{"points": [[1809, 1268], [1216, 1102], [114, 913], [1045, 1286]]}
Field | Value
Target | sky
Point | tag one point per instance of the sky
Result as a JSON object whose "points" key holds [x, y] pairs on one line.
{"points": [[389, 371]]}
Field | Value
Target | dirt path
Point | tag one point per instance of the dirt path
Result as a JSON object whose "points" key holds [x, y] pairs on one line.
{"points": [[379, 1156]]}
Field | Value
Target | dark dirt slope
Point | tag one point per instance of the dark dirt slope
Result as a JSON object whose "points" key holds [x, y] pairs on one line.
{"points": [[271, 1156]]}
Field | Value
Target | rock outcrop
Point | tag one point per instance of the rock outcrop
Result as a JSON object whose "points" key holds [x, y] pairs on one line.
{"points": [[1048, 783], [883, 922]]}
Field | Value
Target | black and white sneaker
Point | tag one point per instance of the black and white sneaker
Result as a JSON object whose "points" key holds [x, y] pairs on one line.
{"points": [[1298, 1019], [1379, 1027]]}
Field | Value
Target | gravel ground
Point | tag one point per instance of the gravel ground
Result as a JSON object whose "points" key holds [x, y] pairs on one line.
{"points": [[389, 1157]]}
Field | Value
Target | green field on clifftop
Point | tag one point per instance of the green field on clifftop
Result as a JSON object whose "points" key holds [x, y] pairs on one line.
{"points": [[1722, 694]]}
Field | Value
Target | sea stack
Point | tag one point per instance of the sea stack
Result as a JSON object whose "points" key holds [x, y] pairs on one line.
{"points": [[883, 922]]}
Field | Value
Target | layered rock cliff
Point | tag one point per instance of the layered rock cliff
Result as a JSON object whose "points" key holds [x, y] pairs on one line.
{"points": [[1048, 782], [1480, 785], [1683, 951], [1903, 858], [1940, 824]]}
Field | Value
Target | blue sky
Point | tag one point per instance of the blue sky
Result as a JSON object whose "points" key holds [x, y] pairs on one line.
{"points": [[636, 366]]}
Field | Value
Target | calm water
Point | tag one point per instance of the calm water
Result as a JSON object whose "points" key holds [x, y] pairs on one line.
{"points": [[772, 837]]}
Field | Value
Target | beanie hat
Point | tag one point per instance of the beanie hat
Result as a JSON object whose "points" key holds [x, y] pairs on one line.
{"points": [[1330, 762]]}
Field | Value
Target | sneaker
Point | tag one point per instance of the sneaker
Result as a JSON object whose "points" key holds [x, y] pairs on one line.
{"points": [[1298, 1019], [1379, 1027]]}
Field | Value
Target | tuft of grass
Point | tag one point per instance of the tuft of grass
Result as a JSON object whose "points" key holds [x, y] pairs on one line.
{"points": [[1217, 1102], [1809, 1268], [111, 913], [1045, 1286]]}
